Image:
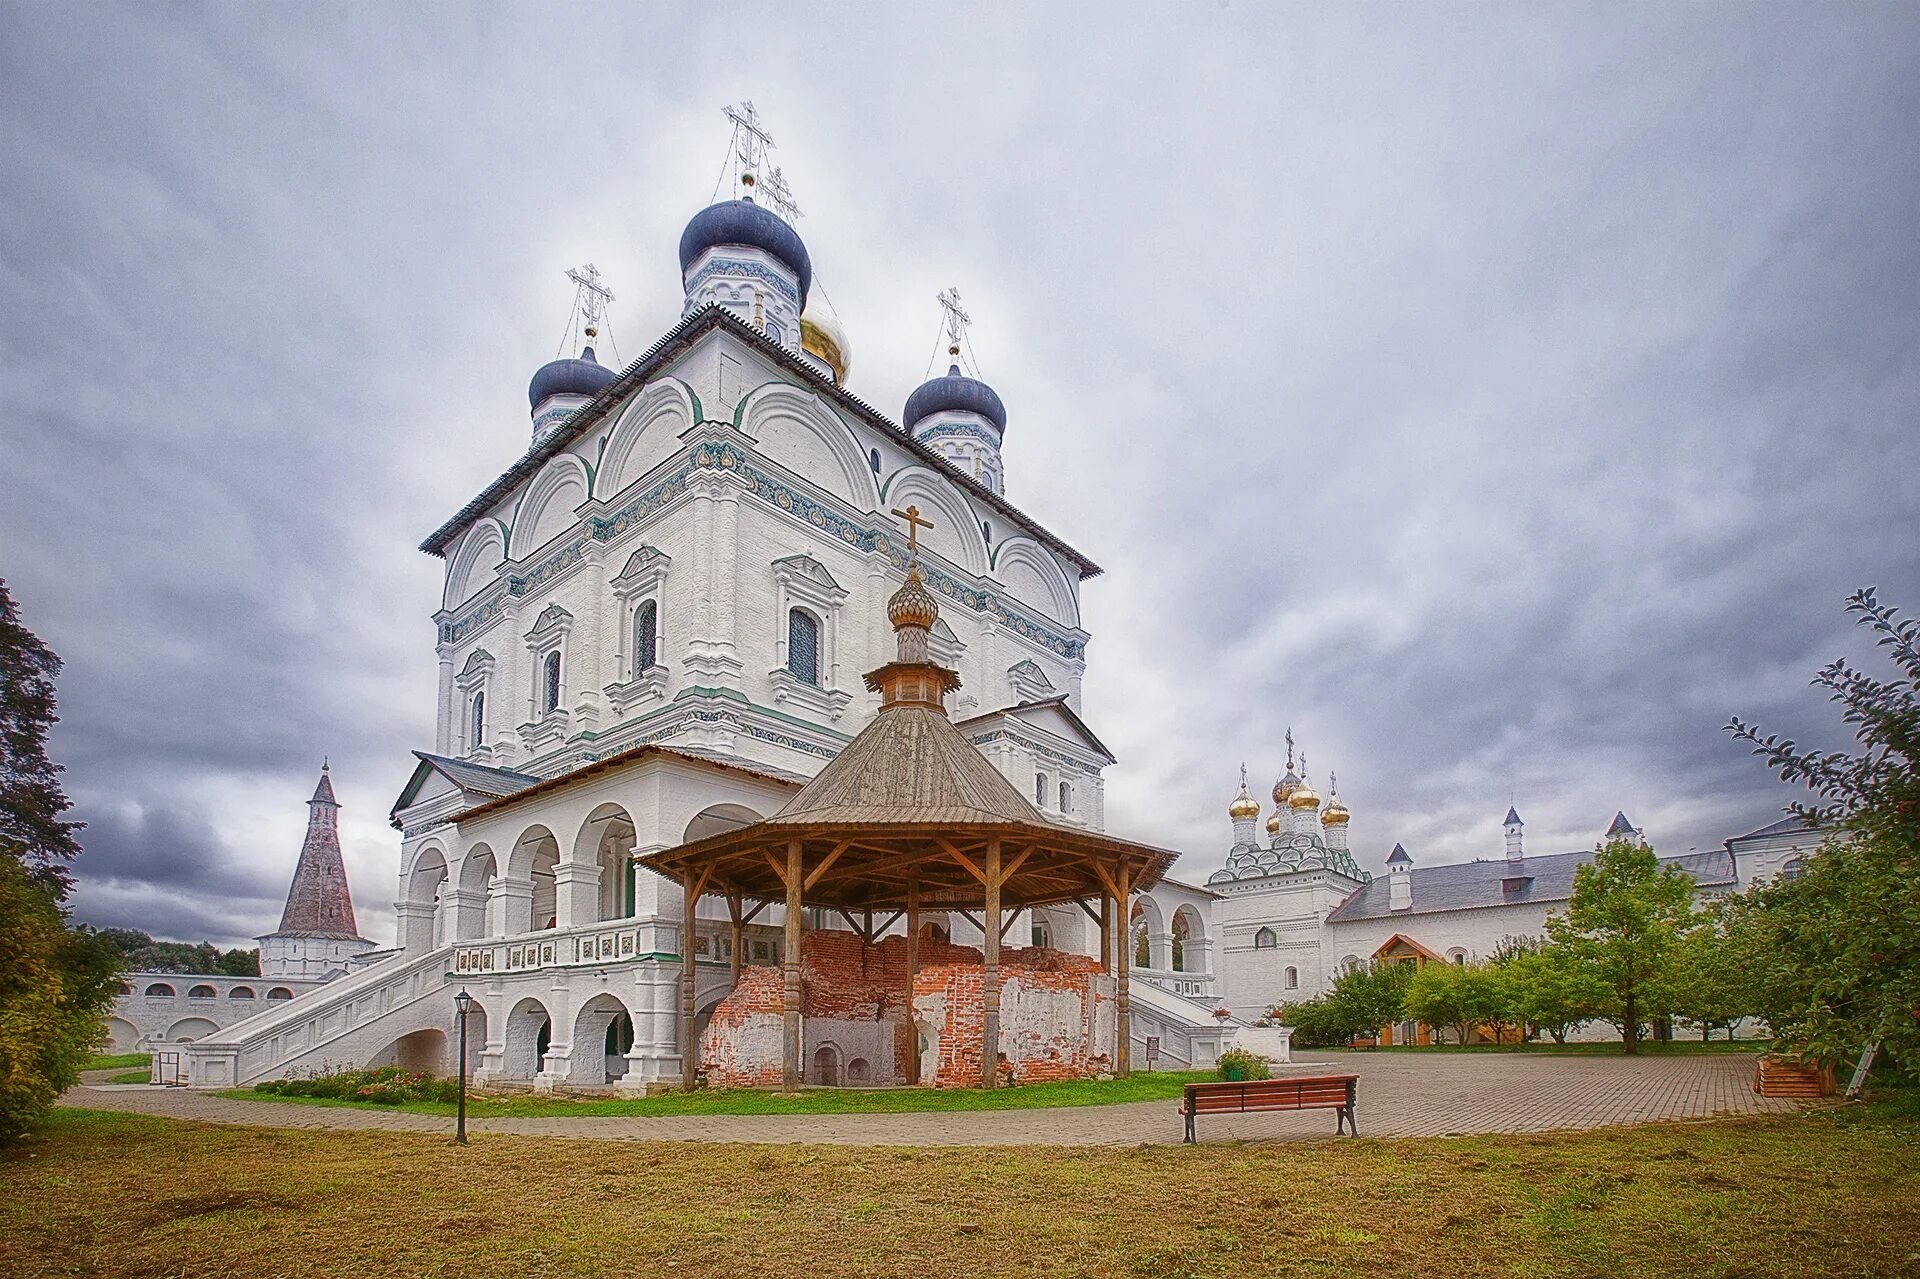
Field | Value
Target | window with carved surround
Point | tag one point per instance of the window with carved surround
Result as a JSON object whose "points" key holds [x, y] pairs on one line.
{"points": [[470, 729], [1066, 798], [1039, 790], [547, 644], [640, 604], [808, 604], [1265, 939]]}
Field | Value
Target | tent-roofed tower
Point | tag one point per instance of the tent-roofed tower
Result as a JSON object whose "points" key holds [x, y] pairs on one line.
{"points": [[317, 934]]}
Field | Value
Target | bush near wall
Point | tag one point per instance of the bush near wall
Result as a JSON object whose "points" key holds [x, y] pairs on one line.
{"points": [[385, 1086]]}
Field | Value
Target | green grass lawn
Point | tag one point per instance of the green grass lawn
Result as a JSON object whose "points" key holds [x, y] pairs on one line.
{"points": [[1828, 1192], [117, 1061], [1154, 1086]]}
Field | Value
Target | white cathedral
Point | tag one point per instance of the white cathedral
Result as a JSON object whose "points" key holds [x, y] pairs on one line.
{"points": [[652, 630]]}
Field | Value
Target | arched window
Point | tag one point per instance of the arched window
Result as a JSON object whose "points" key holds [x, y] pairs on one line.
{"points": [[1039, 790], [201, 992], [1457, 956], [1792, 868], [646, 633], [1265, 939], [160, 990], [1350, 963], [778, 334], [1066, 798], [986, 532], [803, 646], [479, 719], [279, 992], [240, 992], [550, 682], [1293, 979], [873, 460]]}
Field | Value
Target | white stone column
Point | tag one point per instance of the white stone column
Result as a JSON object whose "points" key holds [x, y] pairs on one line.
{"points": [[1160, 951], [414, 925], [509, 907], [576, 894], [444, 735], [466, 911]]}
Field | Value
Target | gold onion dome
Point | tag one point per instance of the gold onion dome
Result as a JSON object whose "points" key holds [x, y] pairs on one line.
{"points": [[1284, 788], [1273, 824], [822, 337], [1336, 814], [1303, 796], [1244, 807], [913, 604]]}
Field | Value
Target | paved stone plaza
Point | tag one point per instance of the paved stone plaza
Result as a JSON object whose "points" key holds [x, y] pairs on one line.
{"points": [[1401, 1095]]}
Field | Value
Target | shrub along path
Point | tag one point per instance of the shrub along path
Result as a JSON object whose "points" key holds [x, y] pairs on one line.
{"points": [[1400, 1095]]}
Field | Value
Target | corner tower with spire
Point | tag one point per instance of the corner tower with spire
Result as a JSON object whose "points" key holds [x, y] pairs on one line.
{"points": [[317, 936]]}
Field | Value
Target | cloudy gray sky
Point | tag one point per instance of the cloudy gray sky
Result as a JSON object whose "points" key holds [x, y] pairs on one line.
{"points": [[1500, 398]]}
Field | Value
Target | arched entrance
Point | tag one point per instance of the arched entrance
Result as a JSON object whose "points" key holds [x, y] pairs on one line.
{"points": [[122, 1035], [527, 889], [477, 872], [423, 1050], [826, 1066], [188, 1029], [529, 1032], [606, 841], [599, 1027]]}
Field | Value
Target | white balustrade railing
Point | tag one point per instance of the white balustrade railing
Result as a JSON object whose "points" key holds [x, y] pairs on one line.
{"points": [[609, 941], [1192, 985]]}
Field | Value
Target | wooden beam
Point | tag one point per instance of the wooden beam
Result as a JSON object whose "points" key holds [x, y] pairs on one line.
{"points": [[825, 862], [1106, 933], [969, 916], [1087, 910], [790, 1004], [774, 862], [912, 1071], [990, 980], [754, 914], [1018, 862], [966, 861], [1013, 917]]}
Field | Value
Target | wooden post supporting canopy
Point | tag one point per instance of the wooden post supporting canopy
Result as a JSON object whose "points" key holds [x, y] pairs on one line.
{"points": [[690, 885], [990, 979], [733, 915], [913, 971], [1106, 933], [1123, 961], [790, 1028]]}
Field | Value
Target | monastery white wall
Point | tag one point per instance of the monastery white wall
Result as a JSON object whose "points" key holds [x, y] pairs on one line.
{"points": [[143, 1017]]}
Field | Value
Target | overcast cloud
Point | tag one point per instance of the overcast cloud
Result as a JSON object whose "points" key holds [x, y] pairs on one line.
{"points": [[1500, 397]]}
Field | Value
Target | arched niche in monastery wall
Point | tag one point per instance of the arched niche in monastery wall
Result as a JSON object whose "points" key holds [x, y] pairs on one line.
{"points": [[955, 535], [475, 563], [1035, 578], [791, 426], [647, 432], [548, 507]]}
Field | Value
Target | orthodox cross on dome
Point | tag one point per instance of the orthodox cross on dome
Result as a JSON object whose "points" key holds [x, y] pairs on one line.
{"points": [[590, 298], [914, 524], [782, 195], [1243, 776], [956, 324], [1290, 749]]}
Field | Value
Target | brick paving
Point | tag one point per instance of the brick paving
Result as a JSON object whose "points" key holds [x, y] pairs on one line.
{"points": [[1401, 1095]]}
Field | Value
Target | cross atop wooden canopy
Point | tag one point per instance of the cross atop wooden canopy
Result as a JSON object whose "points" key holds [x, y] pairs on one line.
{"points": [[914, 524], [911, 817]]}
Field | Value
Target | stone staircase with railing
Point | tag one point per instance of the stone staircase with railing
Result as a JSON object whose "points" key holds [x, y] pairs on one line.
{"points": [[342, 1024]]}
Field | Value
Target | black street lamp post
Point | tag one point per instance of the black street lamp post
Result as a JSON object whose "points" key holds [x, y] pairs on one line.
{"points": [[462, 1004]]}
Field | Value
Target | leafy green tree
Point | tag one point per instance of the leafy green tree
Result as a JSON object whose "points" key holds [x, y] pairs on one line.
{"points": [[55, 982], [1712, 986], [1368, 996], [1553, 991], [1625, 922], [1446, 995], [1835, 953], [32, 828]]}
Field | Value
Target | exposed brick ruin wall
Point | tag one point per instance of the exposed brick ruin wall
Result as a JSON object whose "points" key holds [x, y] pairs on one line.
{"points": [[1056, 1014]]}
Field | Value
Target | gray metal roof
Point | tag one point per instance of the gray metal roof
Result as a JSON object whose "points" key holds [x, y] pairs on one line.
{"points": [[1467, 885], [1785, 826], [480, 779]]}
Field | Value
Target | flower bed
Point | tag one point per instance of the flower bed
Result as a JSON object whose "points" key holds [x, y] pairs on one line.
{"points": [[386, 1086]]}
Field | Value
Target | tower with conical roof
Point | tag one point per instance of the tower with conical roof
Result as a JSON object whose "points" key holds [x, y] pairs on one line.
{"points": [[317, 934]]}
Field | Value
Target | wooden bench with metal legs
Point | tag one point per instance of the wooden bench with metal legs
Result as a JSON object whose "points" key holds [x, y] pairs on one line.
{"points": [[1307, 1092]]}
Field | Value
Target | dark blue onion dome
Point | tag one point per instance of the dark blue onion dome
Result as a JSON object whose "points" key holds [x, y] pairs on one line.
{"points": [[582, 376], [956, 392], [744, 222]]}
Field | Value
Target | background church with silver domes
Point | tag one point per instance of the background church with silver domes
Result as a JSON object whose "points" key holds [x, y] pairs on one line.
{"points": [[652, 630]]}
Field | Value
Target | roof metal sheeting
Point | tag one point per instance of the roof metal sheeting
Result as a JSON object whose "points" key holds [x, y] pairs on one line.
{"points": [[1470, 885]]}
